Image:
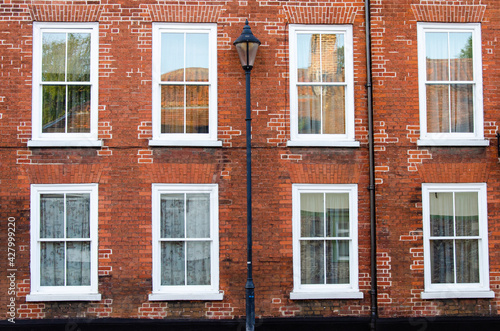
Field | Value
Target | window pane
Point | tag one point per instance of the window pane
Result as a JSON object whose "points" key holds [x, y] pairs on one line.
{"points": [[172, 216], [312, 214], [436, 47], [312, 262], [172, 263], [462, 108], [337, 262], [441, 213], [309, 109], [78, 264], [198, 215], [332, 57], [333, 109], [78, 108], [51, 215], [53, 57], [337, 214], [467, 257], [197, 57], [172, 57], [52, 264], [78, 215], [172, 109], [53, 108], [438, 107], [197, 109], [466, 214], [308, 58], [198, 263], [461, 56], [78, 57], [442, 264]]}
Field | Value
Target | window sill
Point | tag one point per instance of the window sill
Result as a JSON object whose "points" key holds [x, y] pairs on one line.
{"points": [[457, 294], [38, 297], [326, 295], [453, 142], [208, 296], [64, 143], [322, 143], [187, 143]]}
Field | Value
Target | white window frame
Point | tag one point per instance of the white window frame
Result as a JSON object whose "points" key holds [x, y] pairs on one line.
{"points": [[327, 291], [63, 293], [40, 139], [185, 139], [475, 138], [186, 292], [328, 140], [449, 291]]}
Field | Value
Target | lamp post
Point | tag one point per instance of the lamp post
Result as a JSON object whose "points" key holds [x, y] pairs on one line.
{"points": [[247, 45]]}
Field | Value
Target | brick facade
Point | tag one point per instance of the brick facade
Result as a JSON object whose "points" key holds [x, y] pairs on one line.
{"points": [[126, 166]]}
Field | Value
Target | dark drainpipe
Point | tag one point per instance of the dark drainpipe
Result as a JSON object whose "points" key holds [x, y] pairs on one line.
{"points": [[371, 187]]}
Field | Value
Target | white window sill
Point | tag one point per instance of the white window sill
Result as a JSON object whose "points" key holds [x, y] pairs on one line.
{"points": [[37, 297], [453, 142], [326, 295], [200, 296], [457, 294], [189, 143], [65, 143], [322, 143]]}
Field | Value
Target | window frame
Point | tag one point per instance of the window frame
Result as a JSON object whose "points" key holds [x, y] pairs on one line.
{"points": [[185, 139], [185, 292], [326, 291], [447, 291], [329, 140], [40, 139], [63, 293], [475, 138]]}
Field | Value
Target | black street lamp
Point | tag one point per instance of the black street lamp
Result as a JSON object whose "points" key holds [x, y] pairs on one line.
{"points": [[247, 45]]}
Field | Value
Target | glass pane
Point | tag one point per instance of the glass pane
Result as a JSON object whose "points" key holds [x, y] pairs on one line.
{"points": [[332, 57], [441, 213], [51, 215], [308, 58], [309, 109], [438, 108], [172, 109], [466, 214], [78, 264], [462, 108], [337, 214], [172, 263], [78, 215], [78, 57], [442, 264], [197, 57], [461, 56], [52, 264], [198, 263], [312, 215], [172, 216], [197, 109], [53, 108], [312, 262], [172, 57], [333, 109], [198, 215], [53, 57], [337, 262], [436, 48], [78, 108], [467, 261]]}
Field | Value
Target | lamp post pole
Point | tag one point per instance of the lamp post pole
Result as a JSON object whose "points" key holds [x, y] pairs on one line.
{"points": [[247, 45]]}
